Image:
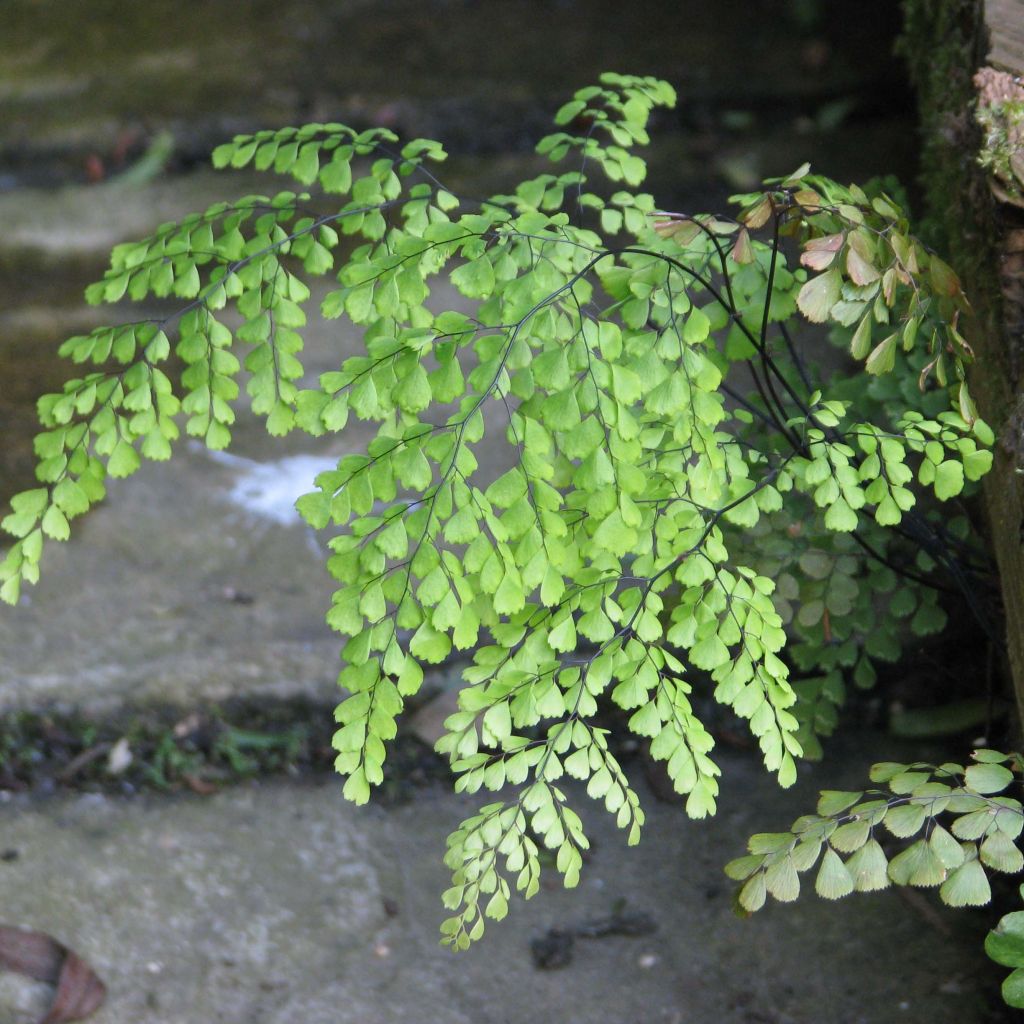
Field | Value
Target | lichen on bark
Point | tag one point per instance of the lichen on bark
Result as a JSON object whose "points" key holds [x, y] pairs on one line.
{"points": [[945, 42]]}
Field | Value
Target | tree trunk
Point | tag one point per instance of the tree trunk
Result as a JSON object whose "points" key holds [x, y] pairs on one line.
{"points": [[963, 57]]}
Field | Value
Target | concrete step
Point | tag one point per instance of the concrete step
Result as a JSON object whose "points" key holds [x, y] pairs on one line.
{"points": [[281, 903]]}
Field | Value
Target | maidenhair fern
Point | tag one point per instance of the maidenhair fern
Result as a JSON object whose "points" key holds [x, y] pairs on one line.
{"points": [[687, 508], [962, 824], [983, 828]]}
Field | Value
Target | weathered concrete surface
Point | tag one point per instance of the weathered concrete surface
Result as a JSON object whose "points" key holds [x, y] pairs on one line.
{"points": [[280, 903], [172, 593], [82, 222]]}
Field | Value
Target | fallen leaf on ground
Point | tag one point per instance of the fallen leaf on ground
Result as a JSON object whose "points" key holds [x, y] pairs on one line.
{"points": [[199, 785], [37, 955]]}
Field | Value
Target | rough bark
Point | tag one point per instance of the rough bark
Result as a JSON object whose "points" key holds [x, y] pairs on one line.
{"points": [[974, 196]]}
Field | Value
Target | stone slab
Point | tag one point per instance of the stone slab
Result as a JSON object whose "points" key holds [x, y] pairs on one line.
{"points": [[280, 903]]}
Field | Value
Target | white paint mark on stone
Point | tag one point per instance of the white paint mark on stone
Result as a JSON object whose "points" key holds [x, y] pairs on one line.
{"points": [[270, 489]]}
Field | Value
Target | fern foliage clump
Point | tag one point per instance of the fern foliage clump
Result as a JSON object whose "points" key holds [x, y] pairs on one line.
{"points": [[920, 800], [688, 508], [955, 826]]}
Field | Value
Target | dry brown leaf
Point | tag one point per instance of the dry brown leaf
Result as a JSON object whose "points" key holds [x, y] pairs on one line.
{"points": [[37, 955], [198, 785]]}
